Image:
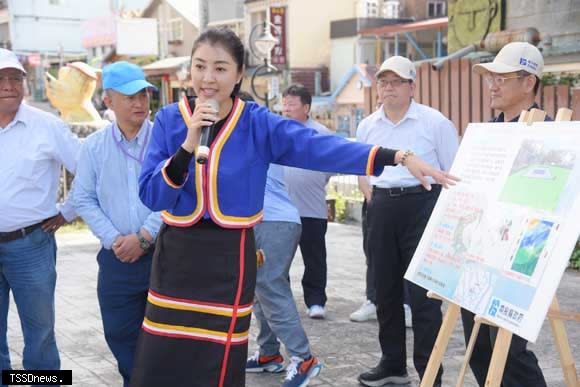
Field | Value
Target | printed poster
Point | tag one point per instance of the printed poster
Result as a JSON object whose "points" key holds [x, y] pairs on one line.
{"points": [[498, 243]]}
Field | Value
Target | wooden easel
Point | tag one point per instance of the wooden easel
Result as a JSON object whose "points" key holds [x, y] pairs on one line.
{"points": [[504, 337]]}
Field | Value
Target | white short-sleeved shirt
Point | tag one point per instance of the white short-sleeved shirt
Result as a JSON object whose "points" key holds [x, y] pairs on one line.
{"points": [[423, 130]]}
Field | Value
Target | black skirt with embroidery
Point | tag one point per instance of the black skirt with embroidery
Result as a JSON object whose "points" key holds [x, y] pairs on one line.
{"points": [[196, 326]]}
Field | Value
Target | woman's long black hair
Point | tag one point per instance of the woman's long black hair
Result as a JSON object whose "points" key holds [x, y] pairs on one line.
{"points": [[229, 41]]}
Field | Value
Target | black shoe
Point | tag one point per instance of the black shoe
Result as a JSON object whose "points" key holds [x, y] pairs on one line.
{"points": [[379, 376]]}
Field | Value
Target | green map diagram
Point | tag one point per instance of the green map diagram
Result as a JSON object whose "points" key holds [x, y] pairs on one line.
{"points": [[536, 186], [539, 175]]}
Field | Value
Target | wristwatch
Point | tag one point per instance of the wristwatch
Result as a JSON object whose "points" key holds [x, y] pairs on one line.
{"points": [[143, 243], [406, 156]]}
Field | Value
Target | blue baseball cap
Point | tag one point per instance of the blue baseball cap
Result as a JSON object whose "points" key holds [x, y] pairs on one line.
{"points": [[125, 78]]}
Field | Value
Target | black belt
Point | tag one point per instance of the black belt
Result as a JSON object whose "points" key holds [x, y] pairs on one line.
{"points": [[402, 191], [17, 234]]}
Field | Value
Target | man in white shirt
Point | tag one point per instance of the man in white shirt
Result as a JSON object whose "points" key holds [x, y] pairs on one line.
{"points": [[33, 146], [307, 190], [397, 214]]}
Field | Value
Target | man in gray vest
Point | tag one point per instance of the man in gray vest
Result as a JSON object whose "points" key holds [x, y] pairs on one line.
{"points": [[307, 191]]}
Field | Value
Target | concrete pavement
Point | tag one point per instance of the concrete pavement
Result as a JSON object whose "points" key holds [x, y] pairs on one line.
{"points": [[345, 348]]}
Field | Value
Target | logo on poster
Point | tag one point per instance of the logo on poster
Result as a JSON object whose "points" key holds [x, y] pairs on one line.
{"points": [[494, 307], [505, 311]]}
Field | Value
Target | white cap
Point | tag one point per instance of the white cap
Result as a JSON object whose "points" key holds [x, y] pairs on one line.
{"points": [[512, 57], [9, 60], [400, 65]]}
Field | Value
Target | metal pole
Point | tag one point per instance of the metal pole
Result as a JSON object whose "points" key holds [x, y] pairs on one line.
{"points": [[266, 63], [203, 15], [163, 26]]}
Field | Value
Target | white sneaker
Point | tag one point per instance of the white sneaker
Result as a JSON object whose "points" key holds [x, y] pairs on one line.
{"points": [[367, 311], [316, 312], [408, 316]]}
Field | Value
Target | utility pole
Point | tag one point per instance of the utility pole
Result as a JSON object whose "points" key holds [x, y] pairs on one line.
{"points": [[163, 30], [203, 15]]}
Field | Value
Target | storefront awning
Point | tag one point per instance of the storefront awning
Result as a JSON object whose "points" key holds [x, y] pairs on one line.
{"points": [[166, 66]]}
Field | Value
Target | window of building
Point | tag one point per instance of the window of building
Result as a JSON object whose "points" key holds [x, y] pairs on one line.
{"points": [[56, 2], [436, 8], [366, 52], [391, 9], [368, 8], [372, 8], [390, 48], [235, 25], [359, 114], [343, 125], [175, 30]]}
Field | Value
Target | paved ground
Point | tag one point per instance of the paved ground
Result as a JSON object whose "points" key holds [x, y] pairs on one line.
{"points": [[345, 348]]}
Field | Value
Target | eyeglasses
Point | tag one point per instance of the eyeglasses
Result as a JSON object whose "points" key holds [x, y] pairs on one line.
{"points": [[11, 78], [497, 79], [394, 83]]}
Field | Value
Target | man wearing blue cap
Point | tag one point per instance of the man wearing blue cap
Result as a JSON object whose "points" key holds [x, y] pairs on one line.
{"points": [[106, 196]]}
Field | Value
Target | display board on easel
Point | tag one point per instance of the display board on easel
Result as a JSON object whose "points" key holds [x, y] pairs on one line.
{"points": [[498, 243]]}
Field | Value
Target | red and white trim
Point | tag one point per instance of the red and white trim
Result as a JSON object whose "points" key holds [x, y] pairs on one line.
{"points": [[182, 332], [196, 306]]}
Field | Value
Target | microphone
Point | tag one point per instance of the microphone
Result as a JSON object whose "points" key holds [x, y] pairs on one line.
{"points": [[203, 148]]}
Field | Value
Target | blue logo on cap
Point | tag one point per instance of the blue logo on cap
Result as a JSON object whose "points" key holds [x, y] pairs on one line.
{"points": [[528, 63]]}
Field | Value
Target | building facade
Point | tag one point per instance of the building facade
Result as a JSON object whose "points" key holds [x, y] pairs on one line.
{"points": [[46, 33], [305, 51]]}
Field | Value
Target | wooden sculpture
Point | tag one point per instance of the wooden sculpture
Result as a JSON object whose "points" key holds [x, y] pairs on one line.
{"points": [[72, 91]]}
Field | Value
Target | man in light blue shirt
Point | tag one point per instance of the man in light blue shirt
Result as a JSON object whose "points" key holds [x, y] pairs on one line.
{"points": [[274, 306], [33, 147], [397, 214], [106, 196]]}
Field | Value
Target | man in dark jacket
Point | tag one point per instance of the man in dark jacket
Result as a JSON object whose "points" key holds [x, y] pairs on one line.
{"points": [[513, 79]]}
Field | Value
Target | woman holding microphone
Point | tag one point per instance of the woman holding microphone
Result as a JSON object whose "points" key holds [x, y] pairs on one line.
{"points": [[197, 320]]}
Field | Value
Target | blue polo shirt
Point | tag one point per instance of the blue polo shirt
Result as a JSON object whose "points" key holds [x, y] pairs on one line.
{"points": [[277, 204]]}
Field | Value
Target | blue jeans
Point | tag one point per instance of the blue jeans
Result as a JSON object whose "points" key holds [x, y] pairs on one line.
{"points": [[274, 305], [122, 291], [28, 269]]}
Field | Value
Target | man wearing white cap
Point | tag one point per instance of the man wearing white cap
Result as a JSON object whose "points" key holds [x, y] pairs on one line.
{"points": [[513, 79], [397, 214], [33, 147], [106, 197]]}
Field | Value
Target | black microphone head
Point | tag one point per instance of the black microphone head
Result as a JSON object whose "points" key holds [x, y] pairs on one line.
{"points": [[214, 104]]}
